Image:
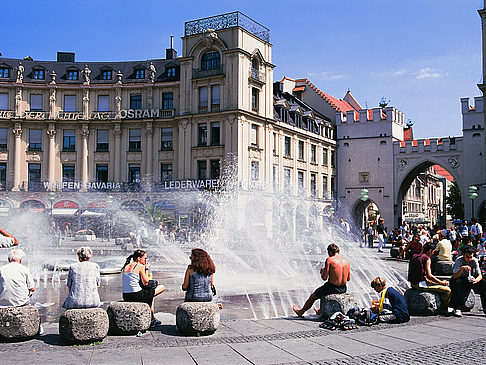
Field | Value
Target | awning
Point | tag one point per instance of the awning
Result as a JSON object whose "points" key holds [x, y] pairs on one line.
{"points": [[87, 213], [64, 211]]}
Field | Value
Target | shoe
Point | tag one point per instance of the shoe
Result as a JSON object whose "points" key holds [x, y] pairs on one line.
{"points": [[41, 330], [155, 323], [380, 250], [457, 313]]}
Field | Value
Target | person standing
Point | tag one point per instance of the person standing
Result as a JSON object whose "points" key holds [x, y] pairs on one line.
{"points": [[476, 232], [16, 282], [369, 232], [337, 273], [380, 230]]}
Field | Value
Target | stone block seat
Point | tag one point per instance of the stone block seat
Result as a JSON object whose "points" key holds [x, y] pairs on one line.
{"points": [[197, 318], [78, 326], [443, 268], [422, 303], [394, 252], [19, 323], [127, 318], [333, 303]]}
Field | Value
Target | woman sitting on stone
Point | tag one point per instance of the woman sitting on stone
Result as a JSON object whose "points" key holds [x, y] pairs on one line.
{"points": [[83, 282], [198, 280], [137, 287]]}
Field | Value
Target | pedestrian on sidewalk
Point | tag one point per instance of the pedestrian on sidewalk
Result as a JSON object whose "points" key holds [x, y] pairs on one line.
{"points": [[380, 230]]}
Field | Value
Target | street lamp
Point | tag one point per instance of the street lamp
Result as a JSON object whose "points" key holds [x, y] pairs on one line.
{"points": [[472, 195]]}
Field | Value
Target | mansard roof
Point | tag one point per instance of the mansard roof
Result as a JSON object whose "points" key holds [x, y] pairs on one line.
{"points": [[126, 68]]}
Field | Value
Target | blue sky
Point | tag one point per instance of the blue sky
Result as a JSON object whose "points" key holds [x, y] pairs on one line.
{"points": [[422, 55]]}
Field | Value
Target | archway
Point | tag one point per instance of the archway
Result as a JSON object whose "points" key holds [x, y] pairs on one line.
{"points": [[365, 212], [421, 196]]}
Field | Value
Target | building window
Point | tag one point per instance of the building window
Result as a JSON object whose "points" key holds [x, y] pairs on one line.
{"points": [[313, 153], [69, 140], [275, 144], [255, 170], [211, 60], [67, 173], [201, 170], [333, 186], [287, 179], [38, 74], [301, 150], [3, 139], [167, 139], [333, 158], [134, 173], [4, 72], [3, 176], [300, 180], [254, 135], [171, 72], [274, 174], [102, 140], [134, 140], [3, 101], [167, 101], [35, 102], [106, 75], [34, 173], [215, 133], [103, 103], [165, 172], [215, 99], [254, 99], [324, 187], [324, 156], [313, 184], [202, 134], [203, 99], [287, 147], [135, 101], [140, 73], [101, 173], [69, 103], [215, 168], [73, 75], [35, 139]]}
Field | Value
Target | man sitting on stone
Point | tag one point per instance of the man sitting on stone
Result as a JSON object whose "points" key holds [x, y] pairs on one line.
{"points": [[16, 282], [467, 276], [337, 273], [443, 250], [421, 278]]}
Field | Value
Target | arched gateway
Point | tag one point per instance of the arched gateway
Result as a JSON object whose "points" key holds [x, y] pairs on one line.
{"points": [[375, 153]]}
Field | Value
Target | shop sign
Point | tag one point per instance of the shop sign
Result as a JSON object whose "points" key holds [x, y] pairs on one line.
{"points": [[6, 114], [252, 185], [76, 185], [192, 184], [145, 113]]}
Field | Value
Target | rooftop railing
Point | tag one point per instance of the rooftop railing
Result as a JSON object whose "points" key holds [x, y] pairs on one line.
{"points": [[225, 21]]}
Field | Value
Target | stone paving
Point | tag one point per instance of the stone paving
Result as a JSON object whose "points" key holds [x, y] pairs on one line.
{"points": [[430, 340]]}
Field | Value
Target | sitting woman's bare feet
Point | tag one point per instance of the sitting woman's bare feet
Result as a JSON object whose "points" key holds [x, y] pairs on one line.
{"points": [[220, 305], [297, 311]]}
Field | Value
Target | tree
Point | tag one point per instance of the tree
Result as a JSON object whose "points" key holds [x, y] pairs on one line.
{"points": [[453, 202], [154, 215]]}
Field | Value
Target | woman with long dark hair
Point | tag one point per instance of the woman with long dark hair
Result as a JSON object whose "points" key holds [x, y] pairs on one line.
{"points": [[198, 280], [137, 287]]}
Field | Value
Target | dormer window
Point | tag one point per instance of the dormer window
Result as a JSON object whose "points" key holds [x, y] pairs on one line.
{"points": [[171, 71], [106, 75], [4, 72], [73, 75], [211, 60], [38, 74], [140, 73]]}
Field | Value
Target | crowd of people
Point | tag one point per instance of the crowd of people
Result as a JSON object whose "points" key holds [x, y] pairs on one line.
{"points": [[83, 280]]}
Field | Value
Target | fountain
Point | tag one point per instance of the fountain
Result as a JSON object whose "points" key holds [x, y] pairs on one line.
{"points": [[262, 268]]}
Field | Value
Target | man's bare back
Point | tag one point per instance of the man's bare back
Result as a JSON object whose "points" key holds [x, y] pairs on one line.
{"points": [[336, 270]]}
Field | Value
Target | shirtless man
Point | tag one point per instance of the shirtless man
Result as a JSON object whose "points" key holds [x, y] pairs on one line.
{"points": [[337, 273]]}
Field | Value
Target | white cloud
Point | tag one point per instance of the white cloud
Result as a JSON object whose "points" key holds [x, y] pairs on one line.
{"points": [[324, 75], [428, 73]]}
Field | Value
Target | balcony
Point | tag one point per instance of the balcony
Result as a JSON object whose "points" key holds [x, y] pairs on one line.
{"points": [[198, 73], [257, 75], [225, 21]]}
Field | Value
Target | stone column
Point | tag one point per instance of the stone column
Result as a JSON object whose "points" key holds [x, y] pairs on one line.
{"points": [[51, 132], [84, 156], [149, 159], [117, 133], [18, 139]]}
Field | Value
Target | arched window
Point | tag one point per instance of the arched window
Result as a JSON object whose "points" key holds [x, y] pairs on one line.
{"points": [[254, 64], [211, 60]]}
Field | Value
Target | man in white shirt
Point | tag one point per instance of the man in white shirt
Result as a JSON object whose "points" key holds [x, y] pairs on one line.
{"points": [[16, 282], [476, 231]]}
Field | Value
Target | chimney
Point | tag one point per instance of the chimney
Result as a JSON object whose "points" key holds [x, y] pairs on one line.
{"points": [[171, 53], [65, 56]]}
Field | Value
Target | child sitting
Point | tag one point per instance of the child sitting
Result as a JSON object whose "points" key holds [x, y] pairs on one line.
{"points": [[392, 307]]}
